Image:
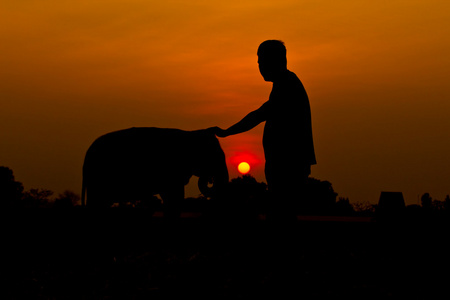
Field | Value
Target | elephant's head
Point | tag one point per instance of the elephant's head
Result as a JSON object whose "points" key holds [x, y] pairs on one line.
{"points": [[209, 164]]}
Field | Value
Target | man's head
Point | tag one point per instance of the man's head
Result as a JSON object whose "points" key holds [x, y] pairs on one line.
{"points": [[272, 59]]}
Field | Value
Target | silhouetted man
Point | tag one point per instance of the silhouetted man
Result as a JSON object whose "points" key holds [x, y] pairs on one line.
{"points": [[287, 141]]}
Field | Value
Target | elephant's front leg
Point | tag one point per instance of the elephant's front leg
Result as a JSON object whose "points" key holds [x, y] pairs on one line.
{"points": [[172, 202]]}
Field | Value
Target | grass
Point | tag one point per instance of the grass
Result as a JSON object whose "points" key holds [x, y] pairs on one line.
{"points": [[126, 255]]}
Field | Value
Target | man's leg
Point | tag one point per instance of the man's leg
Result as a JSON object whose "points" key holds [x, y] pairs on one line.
{"points": [[287, 192]]}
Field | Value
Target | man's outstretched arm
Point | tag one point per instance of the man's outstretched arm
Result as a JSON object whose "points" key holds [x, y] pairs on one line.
{"points": [[248, 122]]}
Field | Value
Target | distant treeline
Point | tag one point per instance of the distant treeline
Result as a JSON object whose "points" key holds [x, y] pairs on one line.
{"points": [[13, 195], [244, 194]]}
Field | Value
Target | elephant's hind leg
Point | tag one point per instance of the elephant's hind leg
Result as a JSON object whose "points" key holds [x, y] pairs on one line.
{"points": [[172, 202]]}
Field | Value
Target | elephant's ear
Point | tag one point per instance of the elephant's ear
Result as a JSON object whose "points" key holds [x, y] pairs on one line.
{"points": [[205, 144], [211, 164]]}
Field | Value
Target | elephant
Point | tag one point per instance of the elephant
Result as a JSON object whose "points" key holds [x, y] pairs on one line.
{"points": [[137, 163]]}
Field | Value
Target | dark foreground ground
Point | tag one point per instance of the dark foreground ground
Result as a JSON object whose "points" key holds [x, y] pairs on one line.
{"points": [[127, 255]]}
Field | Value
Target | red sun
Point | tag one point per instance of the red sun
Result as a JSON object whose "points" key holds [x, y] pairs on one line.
{"points": [[244, 167]]}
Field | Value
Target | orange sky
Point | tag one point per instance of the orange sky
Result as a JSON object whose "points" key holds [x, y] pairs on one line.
{"points": [[376, 74]]}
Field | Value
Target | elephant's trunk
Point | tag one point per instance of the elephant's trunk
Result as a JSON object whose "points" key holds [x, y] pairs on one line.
{"points": [[203, 186], [214, 185]]}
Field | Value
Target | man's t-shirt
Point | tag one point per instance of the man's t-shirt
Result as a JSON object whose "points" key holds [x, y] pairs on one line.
{"points": [[288, 132]]}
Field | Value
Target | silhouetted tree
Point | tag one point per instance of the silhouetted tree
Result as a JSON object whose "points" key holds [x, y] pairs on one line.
{"points": [[247, 193], [318, 198], [66, 200], [447, 203], [364, 208], [36, 198], [426, 201], [248, 187], [438, 206], [343, 207], [10, 189]]}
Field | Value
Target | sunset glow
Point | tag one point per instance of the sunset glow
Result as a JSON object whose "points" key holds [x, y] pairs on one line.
{"points": [[376, 74]]}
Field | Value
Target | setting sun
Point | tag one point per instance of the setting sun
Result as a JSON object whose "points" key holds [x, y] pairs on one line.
{"points": [[244, 167]]}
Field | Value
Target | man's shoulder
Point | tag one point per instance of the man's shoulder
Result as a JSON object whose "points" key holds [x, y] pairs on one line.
{"points": [[289, 78], [292, 77], [291, 82]]}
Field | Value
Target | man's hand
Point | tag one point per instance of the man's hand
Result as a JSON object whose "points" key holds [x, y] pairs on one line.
{"points": [[218, 131]]}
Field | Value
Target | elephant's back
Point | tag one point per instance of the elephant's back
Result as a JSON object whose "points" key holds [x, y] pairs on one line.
{"points": [[132, 138], [139, 147]]}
